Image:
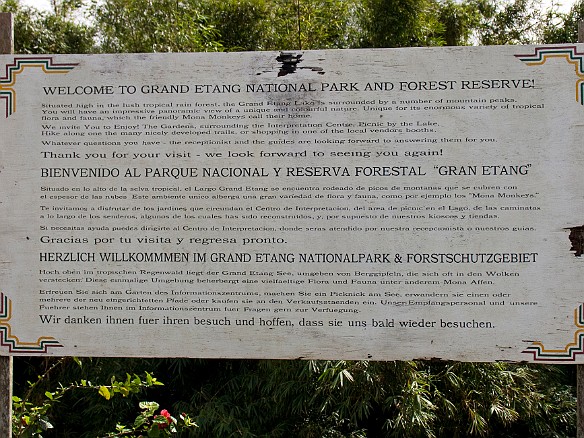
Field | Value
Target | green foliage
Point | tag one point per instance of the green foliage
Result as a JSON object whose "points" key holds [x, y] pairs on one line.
{"points": [[315, 24], [143, 26], [149, 423], [512, 22], [283, 24], [563, 28], [115, 26], [401, 399], [241, 24], [307, 399], [494, 399], [33, 413], [399, 23], [458, 20], [39, 32]]}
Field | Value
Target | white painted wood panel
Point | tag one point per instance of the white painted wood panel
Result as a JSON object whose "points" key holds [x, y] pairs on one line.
{"points": [[381, 204]]}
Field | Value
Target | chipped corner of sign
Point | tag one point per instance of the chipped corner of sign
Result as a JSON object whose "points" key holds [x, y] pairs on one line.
{"points": [[577, 240]]}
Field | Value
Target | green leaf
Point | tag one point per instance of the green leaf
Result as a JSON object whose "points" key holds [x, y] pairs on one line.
{"points": [[49, 395], [149, 407], [154, 431], [140, 420], [45, 424], [104, 392]]}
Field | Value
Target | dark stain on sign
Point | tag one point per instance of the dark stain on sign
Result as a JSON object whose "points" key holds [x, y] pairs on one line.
{"points": [[577, 240], [290, 63]]}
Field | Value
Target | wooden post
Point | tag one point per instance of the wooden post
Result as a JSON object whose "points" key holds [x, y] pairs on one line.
{"points": [[6, 33], [5, 396], [580, 402], [581, 31], [6, 363]]}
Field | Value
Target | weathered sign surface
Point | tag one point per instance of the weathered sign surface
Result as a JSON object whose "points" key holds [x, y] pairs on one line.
{"points": [[363, 204]]}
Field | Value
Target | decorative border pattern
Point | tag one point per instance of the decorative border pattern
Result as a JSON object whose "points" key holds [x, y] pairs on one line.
{"points": [[7, 82], [7, 339], [569, 53], [570, 351]]}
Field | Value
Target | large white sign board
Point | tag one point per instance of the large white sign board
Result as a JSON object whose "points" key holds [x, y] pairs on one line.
{"points": [[364, 204]]}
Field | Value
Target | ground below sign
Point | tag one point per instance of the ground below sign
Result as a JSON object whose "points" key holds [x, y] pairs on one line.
{"points": [[381, 204]]}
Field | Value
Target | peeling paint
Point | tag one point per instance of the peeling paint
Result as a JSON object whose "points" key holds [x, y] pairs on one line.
{"points": [[290, 63], [577, 240]]}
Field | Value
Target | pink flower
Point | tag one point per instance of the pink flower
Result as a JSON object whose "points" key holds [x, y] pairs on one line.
{"points": [[164, 413]]}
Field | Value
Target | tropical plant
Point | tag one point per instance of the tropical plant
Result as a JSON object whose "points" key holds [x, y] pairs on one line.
{"points": [[34, 412], [512, 22], [399, 23], [44, 32], [563, 28], [152, 26]]}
